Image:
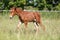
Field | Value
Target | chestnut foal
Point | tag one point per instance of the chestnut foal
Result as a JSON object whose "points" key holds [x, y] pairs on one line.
{"points": [[25, 17]]}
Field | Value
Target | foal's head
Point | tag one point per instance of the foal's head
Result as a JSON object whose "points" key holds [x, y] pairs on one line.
{"points": [[15, 11], [12, 12]]}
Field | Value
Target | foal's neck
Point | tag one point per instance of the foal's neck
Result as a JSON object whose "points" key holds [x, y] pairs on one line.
{"points": [[19, 12]]}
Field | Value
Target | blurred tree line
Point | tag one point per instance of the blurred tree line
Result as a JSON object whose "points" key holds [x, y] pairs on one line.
{"points": [[40, 4]]}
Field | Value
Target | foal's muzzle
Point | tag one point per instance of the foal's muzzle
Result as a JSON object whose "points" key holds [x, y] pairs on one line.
{"points": [[10, 17]]}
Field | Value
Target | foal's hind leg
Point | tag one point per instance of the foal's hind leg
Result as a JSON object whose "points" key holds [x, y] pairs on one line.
{"points": [[36, 26]]}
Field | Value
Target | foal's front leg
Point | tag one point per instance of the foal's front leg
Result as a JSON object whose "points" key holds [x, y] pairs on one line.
{"points": [[25, 23], [18, 26]]}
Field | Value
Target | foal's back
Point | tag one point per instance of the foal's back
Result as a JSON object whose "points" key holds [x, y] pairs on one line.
{"points": [[28, 16]]}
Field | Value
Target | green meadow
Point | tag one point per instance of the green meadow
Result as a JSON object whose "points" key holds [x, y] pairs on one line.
{"points": [[51, 20]]}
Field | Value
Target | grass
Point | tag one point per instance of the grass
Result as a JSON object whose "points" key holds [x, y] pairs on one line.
{"points": [[51, 22]]}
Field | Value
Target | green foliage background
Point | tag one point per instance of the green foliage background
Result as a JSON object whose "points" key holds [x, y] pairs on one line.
{"points": [[38, 4]]}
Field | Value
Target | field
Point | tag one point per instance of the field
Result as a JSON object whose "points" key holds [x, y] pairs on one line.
{"points": [[51, 20]]}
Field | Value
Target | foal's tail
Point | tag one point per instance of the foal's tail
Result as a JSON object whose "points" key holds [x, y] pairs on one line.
{"points": [[38, 20]]}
